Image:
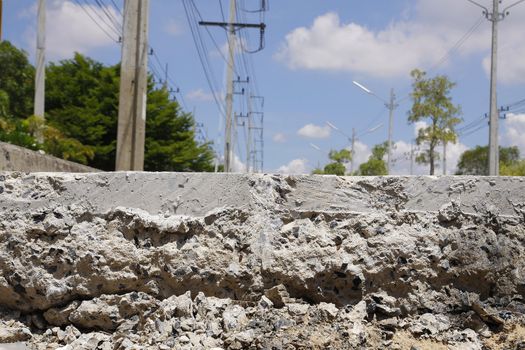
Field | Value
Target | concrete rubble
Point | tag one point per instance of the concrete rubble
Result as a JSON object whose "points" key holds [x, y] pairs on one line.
{"points": [[210, 261]]}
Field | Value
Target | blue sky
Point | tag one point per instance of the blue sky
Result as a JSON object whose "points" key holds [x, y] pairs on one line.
{"points": [[314, 50]]}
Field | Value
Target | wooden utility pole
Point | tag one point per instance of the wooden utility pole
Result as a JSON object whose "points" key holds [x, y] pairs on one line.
{"points": [[133, 87], [40, 77]]}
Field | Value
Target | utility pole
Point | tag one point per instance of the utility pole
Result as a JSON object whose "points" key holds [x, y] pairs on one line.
{"points": [[166, 83], [353, 152], [231, 27], [133, 87], [444, 157], [494, 115], [40, 77], [228, 145], [411, 158], [495, 17], [391, 106]]}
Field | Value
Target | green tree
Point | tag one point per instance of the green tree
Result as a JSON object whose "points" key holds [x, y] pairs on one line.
{"points": [[17, 81], [375, 166], [170, 142], [337, 166], [432, 103], [82, 103], [475, 161]]}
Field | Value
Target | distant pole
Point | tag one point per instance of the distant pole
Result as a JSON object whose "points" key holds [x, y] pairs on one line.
{"points": [[353, 152], [228, 144], [444, 157], [391, 106], [133, 87], [40, 77], [411, 158], [166, 83], [494, 115]]}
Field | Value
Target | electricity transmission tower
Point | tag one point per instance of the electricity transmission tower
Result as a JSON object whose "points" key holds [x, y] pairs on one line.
{"points": [[133, 85], [232, 28], [495, 16], [256, 132]]}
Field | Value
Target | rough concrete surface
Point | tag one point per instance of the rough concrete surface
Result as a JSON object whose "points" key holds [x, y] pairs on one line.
{"points": [[211, 261]]}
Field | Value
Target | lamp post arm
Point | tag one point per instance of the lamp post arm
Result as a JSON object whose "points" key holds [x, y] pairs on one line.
{"points": [[505, 11], [479, 5]]}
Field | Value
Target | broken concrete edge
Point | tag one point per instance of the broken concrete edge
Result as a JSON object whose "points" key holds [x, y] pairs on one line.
{"points": [[343, 256], [198, 193]]}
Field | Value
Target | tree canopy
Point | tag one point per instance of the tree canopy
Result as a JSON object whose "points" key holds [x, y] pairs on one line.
{"points": [[375, 166], [337, 166], [432, 104], [475, 161], [82, 113]]}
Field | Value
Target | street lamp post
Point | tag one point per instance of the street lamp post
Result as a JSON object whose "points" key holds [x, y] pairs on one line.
{"points": [[352, 139], [391, 105]]}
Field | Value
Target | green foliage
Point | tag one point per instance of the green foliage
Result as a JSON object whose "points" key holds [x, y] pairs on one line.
{"points": [[17, 77], [170, 142], [475, 161], [82, 103], [335, 168], [515, 169], [15, 131], [432, 103], [342, 156], [375, 166]]}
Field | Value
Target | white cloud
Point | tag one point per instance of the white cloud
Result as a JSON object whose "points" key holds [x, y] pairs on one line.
{"points": [[313, 131], [362, 153], [296, 166], [279, 137], [237, 165], [418, 126], [199, 95], [69, 29], [419, 40], [515, 129]]}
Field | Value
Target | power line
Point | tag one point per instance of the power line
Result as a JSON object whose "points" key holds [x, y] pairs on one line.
{"points": [[114, 22], [201, 52], [117, 22], [96, 22], [457, 45], [454, 49], [106, 20]]}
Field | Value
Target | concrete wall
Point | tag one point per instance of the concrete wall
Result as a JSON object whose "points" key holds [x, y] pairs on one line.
{"points": [[15, 158]]}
